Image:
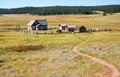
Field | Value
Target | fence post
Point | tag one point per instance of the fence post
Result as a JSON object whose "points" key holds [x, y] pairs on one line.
{"points": [[52, 32]]}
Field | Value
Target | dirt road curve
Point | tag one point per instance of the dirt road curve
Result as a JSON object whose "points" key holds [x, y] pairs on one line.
{"points": [[114, 72]]}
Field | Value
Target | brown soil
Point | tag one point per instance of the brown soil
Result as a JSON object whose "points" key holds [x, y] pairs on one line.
{"points": [[25, 48], [110, 71]]}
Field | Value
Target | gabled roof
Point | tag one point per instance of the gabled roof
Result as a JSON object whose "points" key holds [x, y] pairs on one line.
{"points": [[71, 26], [82, 27], [42, 22], [31, 22]]}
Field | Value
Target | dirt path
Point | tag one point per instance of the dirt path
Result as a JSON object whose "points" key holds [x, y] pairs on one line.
{"points": [[113, 72]]}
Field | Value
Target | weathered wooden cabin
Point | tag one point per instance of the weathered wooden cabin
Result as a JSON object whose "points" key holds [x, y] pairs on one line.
{"points": [[82, 29], [71, 28], [37, 25]]}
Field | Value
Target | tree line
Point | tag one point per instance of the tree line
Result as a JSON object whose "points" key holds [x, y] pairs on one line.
{"points": [[59, 10]]}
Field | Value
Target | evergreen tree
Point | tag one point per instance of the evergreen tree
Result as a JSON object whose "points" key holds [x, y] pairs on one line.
{"points": [[59, 10]]}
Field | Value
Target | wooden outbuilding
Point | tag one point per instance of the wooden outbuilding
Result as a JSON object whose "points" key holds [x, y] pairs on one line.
{"points": [[37, 25], [71, 28], [82, 29]]}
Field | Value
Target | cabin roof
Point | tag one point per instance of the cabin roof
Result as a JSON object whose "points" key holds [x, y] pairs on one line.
{"points": [[71, 26], [42, 22]]}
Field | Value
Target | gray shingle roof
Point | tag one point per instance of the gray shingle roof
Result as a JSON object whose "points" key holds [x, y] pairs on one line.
{"points": [[71, 26], [42, 22]]}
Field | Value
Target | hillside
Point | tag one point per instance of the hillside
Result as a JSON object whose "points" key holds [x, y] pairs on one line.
{"points": [[59, 10]]}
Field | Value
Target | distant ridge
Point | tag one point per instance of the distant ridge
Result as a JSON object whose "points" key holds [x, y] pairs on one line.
{"points": [[59, 10]]}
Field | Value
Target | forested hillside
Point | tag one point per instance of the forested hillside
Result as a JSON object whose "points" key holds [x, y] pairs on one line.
{"points": [[59, 10]]}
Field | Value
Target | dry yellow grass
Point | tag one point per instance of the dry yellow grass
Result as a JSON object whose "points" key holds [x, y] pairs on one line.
{"points": [[57, 58], [95, 21]]}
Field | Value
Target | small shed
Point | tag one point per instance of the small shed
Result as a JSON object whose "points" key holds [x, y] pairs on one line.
{"points": [[71, 28], [82, 29], [37, 25]]}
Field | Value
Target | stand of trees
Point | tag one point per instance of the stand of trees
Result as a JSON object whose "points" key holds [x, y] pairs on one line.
{"points": [[59, 10]]}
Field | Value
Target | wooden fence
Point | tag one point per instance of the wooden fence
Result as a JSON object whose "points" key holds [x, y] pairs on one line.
{"points": [[49, 31]]}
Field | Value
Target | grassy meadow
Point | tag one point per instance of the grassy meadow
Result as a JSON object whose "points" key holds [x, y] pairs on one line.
{"points": [[57, 59], [90, 21]]}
